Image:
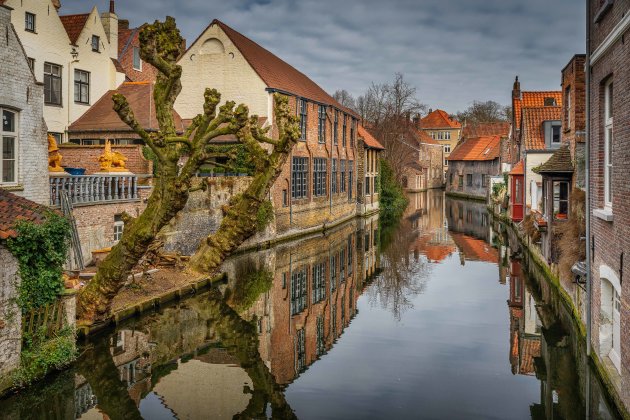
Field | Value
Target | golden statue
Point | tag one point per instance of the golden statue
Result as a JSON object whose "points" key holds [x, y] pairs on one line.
{"points": [[54, 157], [112, 161]]}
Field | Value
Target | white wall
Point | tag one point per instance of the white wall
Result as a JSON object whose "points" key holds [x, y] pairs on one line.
{"points": [[214, 62], [533, 160], [50, 43]]}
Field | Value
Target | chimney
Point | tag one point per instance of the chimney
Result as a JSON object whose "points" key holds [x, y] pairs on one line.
{"points": [[110, 24], [430, 110], [416, 121], [516, 89], [123, 24]]}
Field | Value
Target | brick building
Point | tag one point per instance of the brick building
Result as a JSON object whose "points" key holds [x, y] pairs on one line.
{"points": [[24, 149], [424, 168], [609, 203], [471, 164], [440, 126], [318, 184], [135, 69], [368, 172], [574, 113]]}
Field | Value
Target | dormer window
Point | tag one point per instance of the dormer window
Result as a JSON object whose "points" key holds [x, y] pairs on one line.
{"points": [[137, 62], [551, 102], [96, 43], [29, 22], [552, 134]]}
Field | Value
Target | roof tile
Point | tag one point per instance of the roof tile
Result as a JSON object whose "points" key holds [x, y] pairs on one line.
{"points": [[438, 119], [477, 149], [14, 208], [533, 118], [486, 129], [559, 162], [368, 139], [74, 24]]}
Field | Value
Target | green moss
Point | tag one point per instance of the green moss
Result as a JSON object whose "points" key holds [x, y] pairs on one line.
{"points": [[264, 215], [41, 251], [40, 356], [248, 288]]}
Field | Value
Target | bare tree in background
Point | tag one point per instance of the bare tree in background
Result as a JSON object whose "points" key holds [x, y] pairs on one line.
{"points": [[345, 98], [485, 112], [386, 110]]}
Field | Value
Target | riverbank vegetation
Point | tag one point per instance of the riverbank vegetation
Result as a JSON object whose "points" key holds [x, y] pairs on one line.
{"points": [[392, 197]]}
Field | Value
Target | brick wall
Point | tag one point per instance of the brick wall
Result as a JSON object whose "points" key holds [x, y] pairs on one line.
{"points": [[95, 223], [611, 239], [147, 73], [76, 156], [475, 168], [20, 91], [316, 211]]}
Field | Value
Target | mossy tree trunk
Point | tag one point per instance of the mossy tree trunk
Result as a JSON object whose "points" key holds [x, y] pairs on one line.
{"points": [[161, 46]]}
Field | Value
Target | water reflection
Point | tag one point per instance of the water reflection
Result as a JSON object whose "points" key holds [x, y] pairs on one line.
{"points": [[362, 321]]}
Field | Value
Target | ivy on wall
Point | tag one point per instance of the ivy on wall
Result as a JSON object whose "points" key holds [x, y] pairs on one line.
{"points": [[41, 251]]}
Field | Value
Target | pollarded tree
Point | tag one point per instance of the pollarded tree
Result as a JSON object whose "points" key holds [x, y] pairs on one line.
{"points": [[161, 46]]}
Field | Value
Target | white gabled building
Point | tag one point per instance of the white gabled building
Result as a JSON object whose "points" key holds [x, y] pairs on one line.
{"points": [[75, 56]]}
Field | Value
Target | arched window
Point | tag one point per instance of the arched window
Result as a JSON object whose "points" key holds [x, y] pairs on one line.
{"points": [[610, 316]]}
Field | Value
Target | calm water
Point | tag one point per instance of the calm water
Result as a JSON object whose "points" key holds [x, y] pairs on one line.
{"points": [[436, 318]]}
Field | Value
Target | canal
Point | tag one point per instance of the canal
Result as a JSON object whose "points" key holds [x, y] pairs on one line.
{"points": [[439, 317]]}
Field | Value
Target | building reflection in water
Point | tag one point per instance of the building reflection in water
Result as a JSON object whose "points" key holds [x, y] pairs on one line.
{"points": [[231, 352]]}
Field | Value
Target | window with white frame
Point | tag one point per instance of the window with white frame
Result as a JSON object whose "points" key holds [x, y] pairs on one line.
{"points": [[321, 124], [137, 61], [608, 143], [447, 148], [119, 226], [8, 147]]}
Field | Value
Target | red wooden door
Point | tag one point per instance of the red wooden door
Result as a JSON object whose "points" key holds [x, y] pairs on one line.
{"points": [[518, 197]]}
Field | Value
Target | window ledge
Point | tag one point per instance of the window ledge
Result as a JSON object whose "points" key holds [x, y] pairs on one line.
{"points": [[604, 214], [12, 187]]}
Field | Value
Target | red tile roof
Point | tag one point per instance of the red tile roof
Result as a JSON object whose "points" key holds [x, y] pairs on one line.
{"points": [[368, 139], [530, 349], [102, 117], [533, 134], [475, 249], [477, 149], [276, 73], [518, 169], [74, 24], [14, 208], [486, 129], [438, 119], [534, 99]]}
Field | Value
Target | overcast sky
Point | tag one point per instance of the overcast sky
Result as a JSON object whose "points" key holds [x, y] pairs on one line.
{"points": [[453, 51]]}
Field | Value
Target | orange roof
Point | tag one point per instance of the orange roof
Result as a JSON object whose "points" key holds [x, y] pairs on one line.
{"points": [[486, 129], [479, 148], [423, 137], [438, 119], [533, 134], [74, 25], [518, 169], [102, 117], [437, 253], [276, 73], [530, 349], [534, 99], [475, 249], [368, 139], [14, 208]]}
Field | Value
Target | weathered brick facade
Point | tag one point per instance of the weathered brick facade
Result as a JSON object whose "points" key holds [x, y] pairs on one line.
{"points": [[574, 112], [22, 96], [128, 39], [76, 156], [610, 224]]}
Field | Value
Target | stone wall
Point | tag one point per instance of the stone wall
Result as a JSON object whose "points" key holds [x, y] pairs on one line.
{"points": [[20, 91], [477, 169], [202, 214], [10, 317], [76, 156]]}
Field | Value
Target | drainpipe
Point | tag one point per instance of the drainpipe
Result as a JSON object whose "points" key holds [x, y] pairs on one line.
{"points": [[588, 179]]}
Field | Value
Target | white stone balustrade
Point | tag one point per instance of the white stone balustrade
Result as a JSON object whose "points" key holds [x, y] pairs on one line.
{"points": [[93, 189]]}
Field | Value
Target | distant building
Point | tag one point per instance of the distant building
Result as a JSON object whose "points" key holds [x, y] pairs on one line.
{"points": [[318, 184], [368, 172], [424, 167], [536, 134], [135, 69], [471, 164], [445, 130], [74, 56]]}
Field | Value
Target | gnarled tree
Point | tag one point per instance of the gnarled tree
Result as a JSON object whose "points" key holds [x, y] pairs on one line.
{"points": [[161, 46]]}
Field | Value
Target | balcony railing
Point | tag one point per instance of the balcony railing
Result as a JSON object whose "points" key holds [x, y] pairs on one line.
{"points": [[93, 189]]}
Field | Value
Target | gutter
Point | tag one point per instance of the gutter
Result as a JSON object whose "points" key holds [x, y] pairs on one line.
{"points": [[587, 140]]}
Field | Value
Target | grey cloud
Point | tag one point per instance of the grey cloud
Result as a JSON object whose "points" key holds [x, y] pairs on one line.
{"points": [[453, 51]]}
